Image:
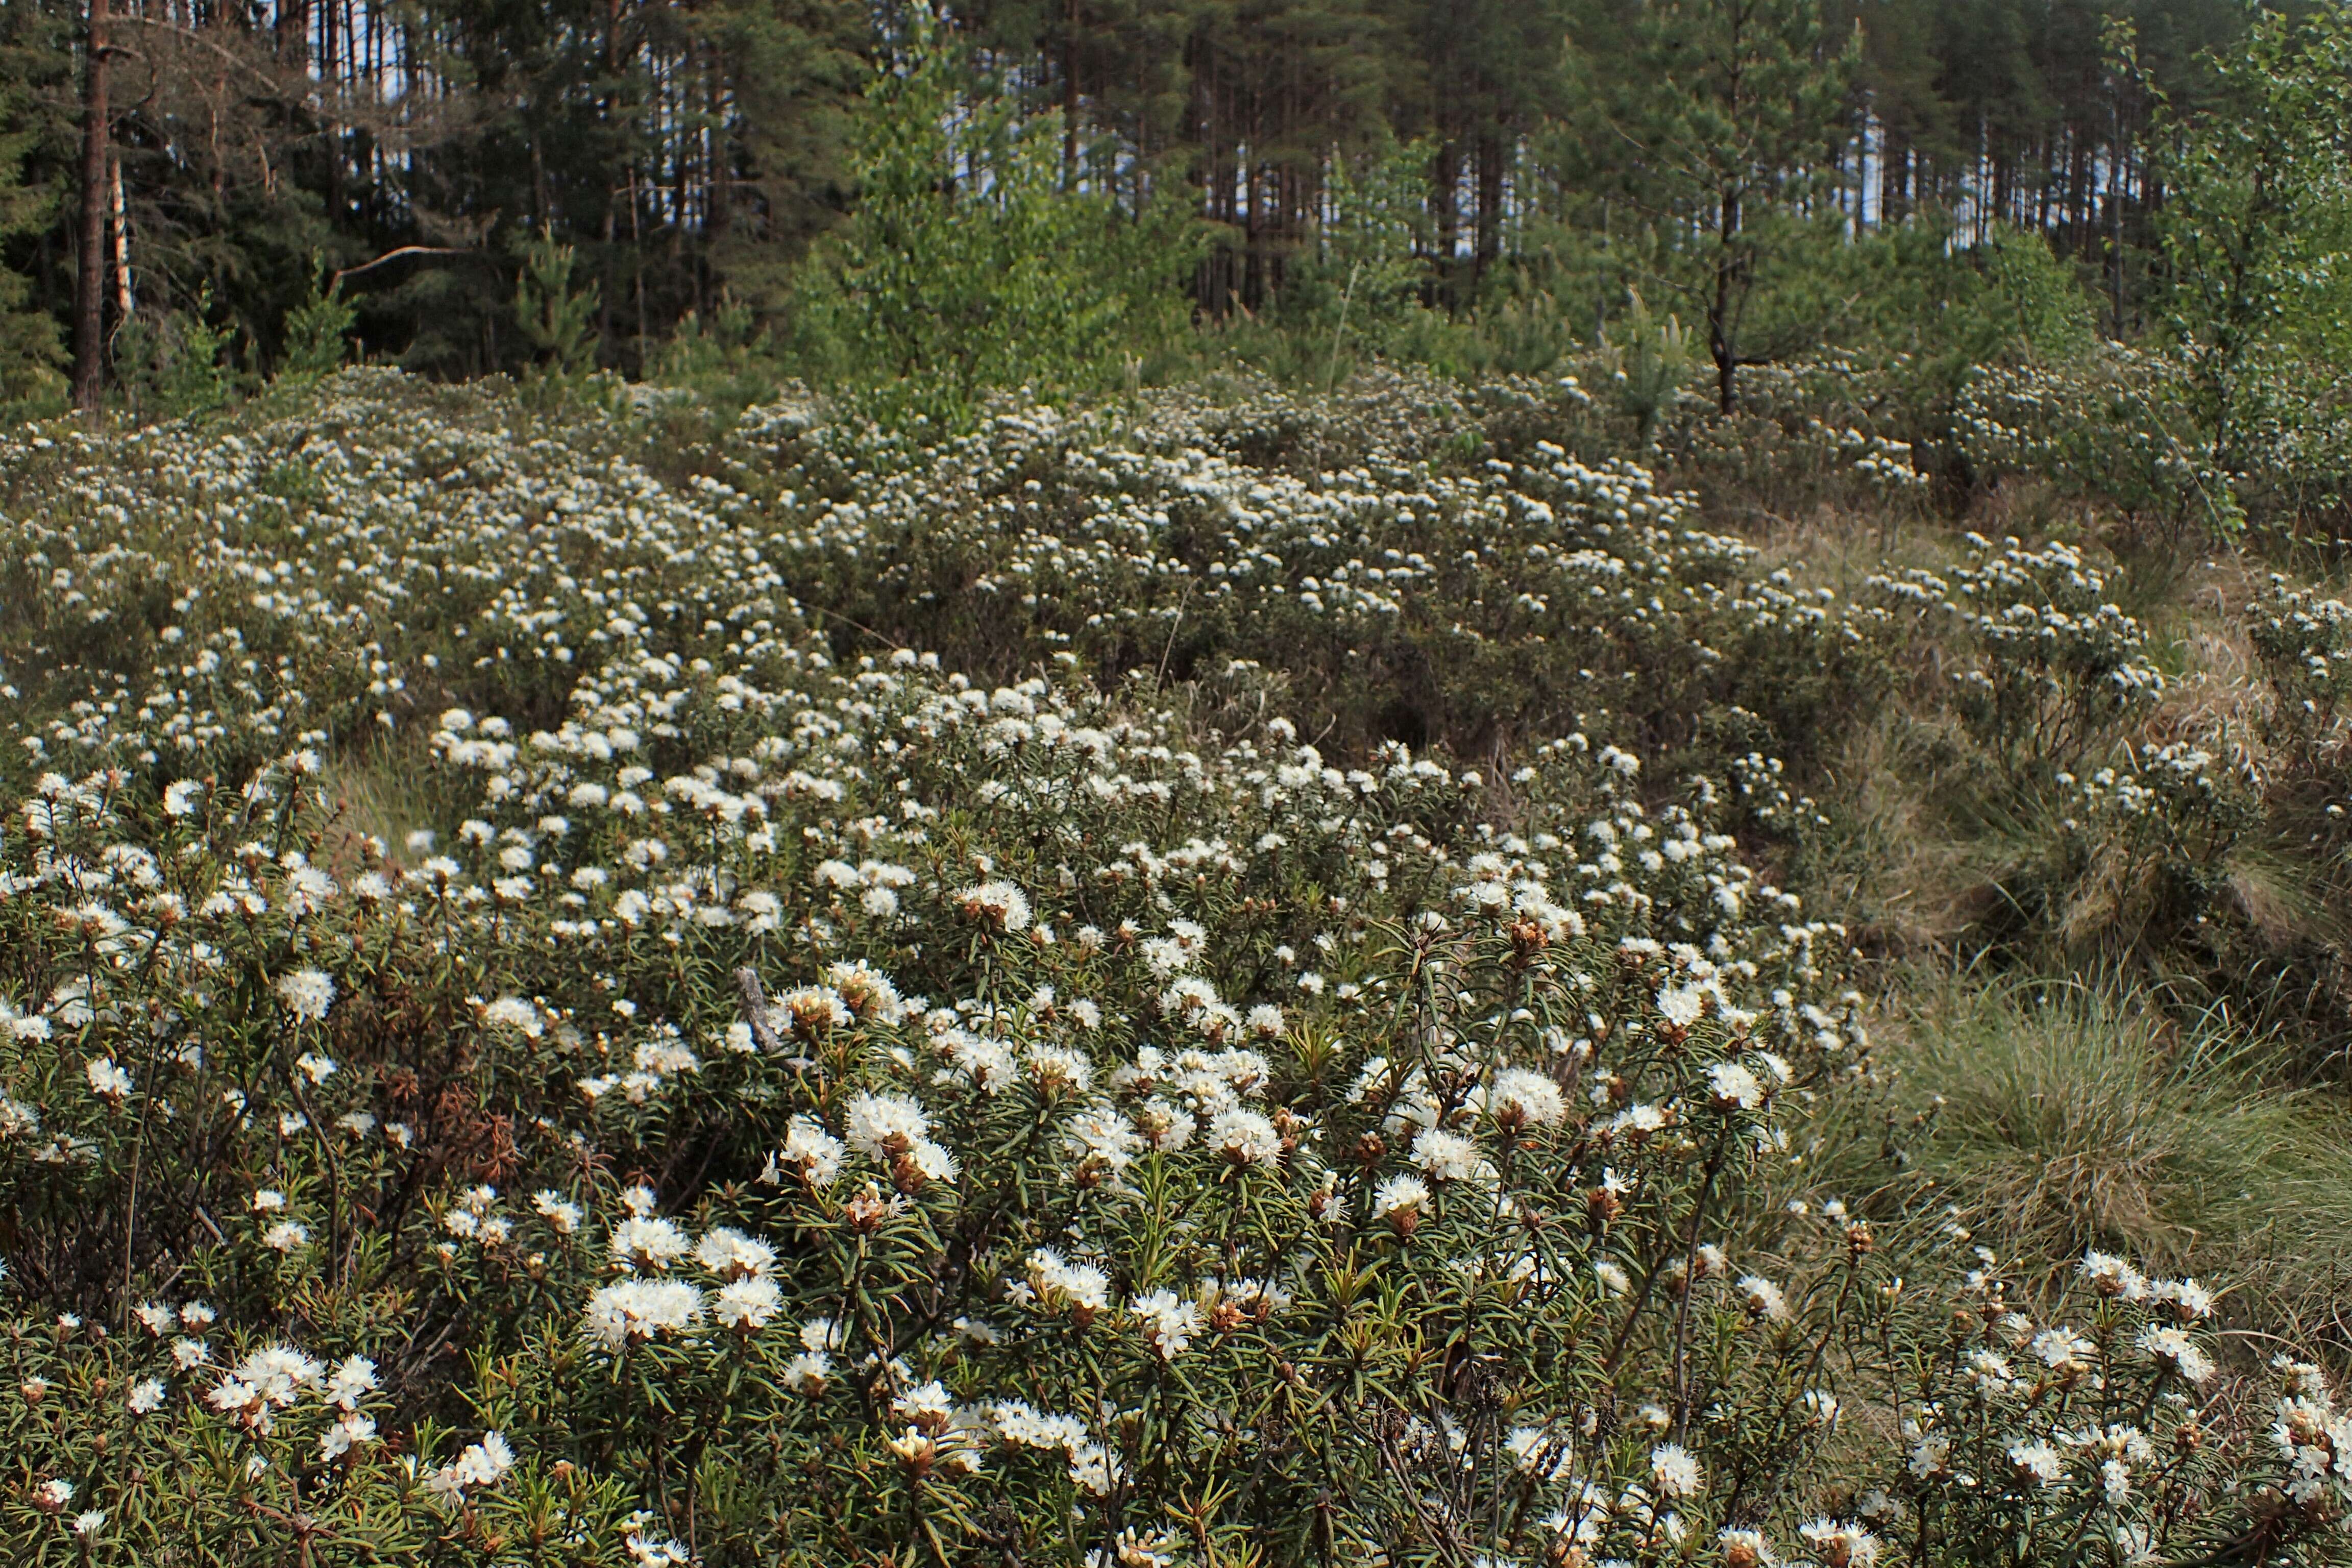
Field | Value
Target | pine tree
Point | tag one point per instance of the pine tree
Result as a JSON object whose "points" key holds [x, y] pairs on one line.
{"points": [[29, 353], [1718, 124]]}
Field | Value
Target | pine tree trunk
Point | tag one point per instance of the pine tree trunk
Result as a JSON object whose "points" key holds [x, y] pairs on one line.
{"points": [[1722, 306], [293, 30], [1070, 99], [1446, 194], [1492, 154], [121, 208], [331, 81], [89, 280]]}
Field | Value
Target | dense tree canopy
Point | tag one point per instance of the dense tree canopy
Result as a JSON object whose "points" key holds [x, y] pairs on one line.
{"points": [[693, 152]]}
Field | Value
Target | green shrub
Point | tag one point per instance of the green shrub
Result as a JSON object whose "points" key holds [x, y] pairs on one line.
{"points": [[539, 1025], [2054, 662], [968, 264], [318, 331], [175, 365], [2116, 428]]}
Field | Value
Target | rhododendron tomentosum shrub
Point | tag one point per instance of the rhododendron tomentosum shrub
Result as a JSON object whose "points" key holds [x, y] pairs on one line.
{"points": [[1143, 1135]]}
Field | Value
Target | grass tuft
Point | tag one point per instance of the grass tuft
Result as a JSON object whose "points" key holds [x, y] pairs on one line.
{"points": [[2077, 1115]]}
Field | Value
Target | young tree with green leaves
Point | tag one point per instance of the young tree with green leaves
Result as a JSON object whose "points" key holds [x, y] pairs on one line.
{"points": [[969, 263], [2257, 224]]}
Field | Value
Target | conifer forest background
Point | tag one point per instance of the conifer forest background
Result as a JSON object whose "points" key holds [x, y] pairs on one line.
{"points": [[696, 153]]}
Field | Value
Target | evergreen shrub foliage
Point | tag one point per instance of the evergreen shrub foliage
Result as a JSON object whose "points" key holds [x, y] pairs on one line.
{"points": [[532, 1034]]}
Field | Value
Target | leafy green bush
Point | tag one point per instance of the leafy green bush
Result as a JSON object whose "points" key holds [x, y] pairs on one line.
{"points": [[969, 263], [2116, 428], [175, 363], [318, 331], [2055, 660], [1376, 548], [1944, 309], [2303, 638]]}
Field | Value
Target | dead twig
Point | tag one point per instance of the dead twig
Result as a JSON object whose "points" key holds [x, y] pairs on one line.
{"points": [[754, 999]]}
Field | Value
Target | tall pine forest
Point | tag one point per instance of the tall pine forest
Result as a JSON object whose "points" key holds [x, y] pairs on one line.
{"points": [[177, 166]]}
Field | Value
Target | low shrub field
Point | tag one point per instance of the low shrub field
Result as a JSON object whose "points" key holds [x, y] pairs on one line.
{"points": [[1222, 977]]}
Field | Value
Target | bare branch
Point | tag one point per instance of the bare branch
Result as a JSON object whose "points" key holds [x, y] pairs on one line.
{"points": [[342, 272]]}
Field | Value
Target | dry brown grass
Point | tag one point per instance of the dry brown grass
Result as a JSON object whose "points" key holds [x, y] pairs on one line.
{"points": [[378, 792]]}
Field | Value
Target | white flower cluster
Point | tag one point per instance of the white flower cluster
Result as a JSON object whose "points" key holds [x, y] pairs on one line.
{"points": [[651, 1304]]}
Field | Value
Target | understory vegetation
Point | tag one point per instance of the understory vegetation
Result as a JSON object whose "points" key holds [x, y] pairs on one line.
{"points": [[1428, 971]]}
